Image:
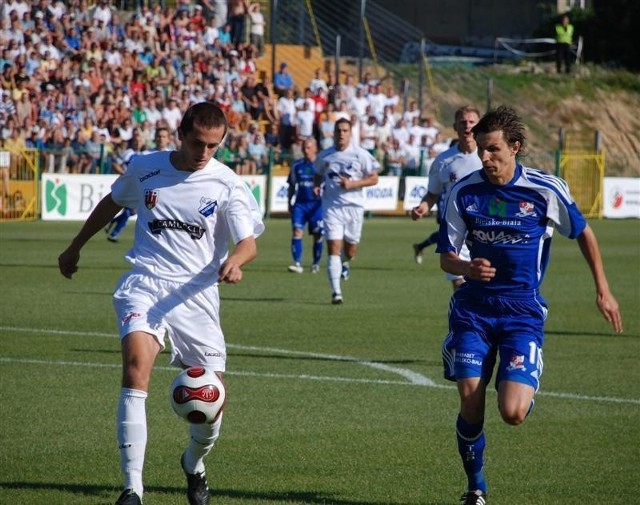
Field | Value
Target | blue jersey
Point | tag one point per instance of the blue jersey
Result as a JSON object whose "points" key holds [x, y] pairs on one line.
{"points": [[509, 225], [301, 178]]}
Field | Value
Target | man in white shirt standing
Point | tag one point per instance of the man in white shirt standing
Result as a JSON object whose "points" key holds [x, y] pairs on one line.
{"points": [[257, 27], [343, 170]]}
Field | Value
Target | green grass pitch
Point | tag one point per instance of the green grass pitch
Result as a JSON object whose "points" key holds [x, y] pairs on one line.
{"points": [[340, 405]]}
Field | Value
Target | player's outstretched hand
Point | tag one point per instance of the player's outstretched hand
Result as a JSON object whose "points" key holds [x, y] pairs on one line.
{"points": [[608, 305], [68, 262]]}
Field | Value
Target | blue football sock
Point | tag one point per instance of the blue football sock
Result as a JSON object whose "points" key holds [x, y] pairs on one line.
{"points": [[296, 249], [317, 251], [471, 443]]}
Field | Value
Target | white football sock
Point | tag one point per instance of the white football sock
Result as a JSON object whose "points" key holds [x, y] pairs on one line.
{"points": [[334, 271], [132, 436], [203, 438]]}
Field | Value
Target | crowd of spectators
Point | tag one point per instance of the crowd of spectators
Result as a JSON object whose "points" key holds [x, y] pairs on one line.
{"points": [[79, 79]]}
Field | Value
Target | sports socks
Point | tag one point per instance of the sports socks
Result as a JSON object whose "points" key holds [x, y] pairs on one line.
{"points": [[430, 240], [296, 250], [203, 438], [471, 443], [132, 436], [317, 251], [334, 271]]}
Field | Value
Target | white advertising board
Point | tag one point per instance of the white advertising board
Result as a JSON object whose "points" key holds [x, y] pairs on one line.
{"points": [[72, 197], [621, 197]]}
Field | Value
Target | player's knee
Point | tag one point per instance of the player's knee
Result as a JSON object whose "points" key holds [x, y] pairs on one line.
{"points": [[512, 414]]}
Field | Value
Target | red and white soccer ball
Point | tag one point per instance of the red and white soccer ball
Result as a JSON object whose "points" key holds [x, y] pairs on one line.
{"points": [[197, 395]]}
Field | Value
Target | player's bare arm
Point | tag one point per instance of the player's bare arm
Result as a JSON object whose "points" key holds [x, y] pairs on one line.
{"points": [[606, 302], [369, 180], [97, 220], [479, 269], [317, 185], [244, 252], [424, 208]]}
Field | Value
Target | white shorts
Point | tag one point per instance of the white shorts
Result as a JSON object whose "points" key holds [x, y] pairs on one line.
{"points": [[464, 255], [343, 223], [188, 317]]}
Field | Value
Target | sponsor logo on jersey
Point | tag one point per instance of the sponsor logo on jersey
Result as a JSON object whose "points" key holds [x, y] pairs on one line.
{"points": [[526, 209], [157, 226], [497, 207], [150, 198], [149, 175], [207, 206], [493, 237], [516, 363], [497, 222]]}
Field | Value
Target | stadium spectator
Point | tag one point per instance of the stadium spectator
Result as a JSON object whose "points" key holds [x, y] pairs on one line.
{"points": [[282, 81], [448, 168], [318, 82], [497, 316], [344, 169], [238, 10], [305, 120], [169, 272], [287, 119], [326, 130], [258, 149], [394, 158], [257, 27], [369, 135]]}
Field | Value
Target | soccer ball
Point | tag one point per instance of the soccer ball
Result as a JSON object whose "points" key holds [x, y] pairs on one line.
{"points": [[197, 395]]}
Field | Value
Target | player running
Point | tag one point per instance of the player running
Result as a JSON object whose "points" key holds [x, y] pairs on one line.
{"points": [[305, 207]]}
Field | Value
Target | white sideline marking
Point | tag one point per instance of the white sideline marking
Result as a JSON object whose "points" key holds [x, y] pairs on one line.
{"points": [[414, 379]]}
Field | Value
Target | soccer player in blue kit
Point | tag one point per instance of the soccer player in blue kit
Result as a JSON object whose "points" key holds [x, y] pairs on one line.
{"points": [[506, 214], [305, 208]]}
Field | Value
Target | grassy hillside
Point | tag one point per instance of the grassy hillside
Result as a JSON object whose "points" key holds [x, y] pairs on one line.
{"points": [[591, 99]]}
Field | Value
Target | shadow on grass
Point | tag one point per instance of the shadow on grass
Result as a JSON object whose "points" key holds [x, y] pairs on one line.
{"points": [[306, 497], [328, 358]]}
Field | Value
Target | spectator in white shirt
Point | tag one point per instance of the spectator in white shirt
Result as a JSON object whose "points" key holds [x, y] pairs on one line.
{"points": [[318, 83]]}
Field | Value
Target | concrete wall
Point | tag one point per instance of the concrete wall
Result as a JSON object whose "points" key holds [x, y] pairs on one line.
{"points": [[458, 21]]}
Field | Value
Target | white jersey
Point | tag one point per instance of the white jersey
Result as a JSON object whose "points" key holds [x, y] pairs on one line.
{"points": [[353, 163], [186, 220], [448, 168]]}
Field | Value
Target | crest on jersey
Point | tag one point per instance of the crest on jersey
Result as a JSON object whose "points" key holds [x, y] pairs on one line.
{"points": [[150, 198], [207, 206], [526, 209]]}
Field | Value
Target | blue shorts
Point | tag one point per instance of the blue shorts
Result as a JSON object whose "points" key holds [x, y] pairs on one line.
{"points": [[307, 213], [483, 329]]}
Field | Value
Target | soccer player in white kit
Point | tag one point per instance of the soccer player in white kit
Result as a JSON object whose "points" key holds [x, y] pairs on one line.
{"points": [[342, 171], [190, 209], [448, 168]]}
